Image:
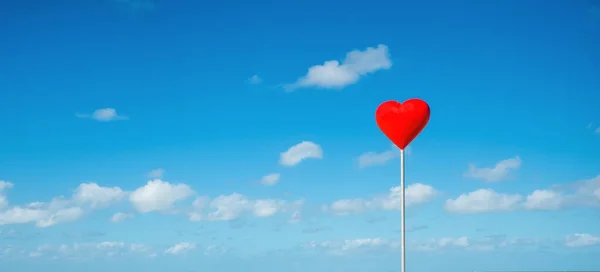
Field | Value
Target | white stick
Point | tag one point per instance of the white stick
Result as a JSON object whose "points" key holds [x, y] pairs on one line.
{"points": [[402, 214]]}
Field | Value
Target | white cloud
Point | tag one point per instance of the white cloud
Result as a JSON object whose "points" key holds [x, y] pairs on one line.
{"points": [[231, 207], [195, 216], [180, 248], [584, 193], [103, 115], [4, 185], [61, 210], [228, 207], [415, 194], [21, 215], [267, 207], [335, 75], [499, 172], [597, 130], [348, 206], [270, 179], [255, 79], [302, 151], [544, 200], [87, 250], [578, 194], [158, 195], [481, 201], [110, 244], [97, 196], [443, 243], [487, 243], [61, 216], [201, 202], [373, 158], [120, 217], [581, 240], [156, 173], [347, 246]]}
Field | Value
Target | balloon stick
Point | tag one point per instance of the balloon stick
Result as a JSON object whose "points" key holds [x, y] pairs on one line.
{"points": [[402, 214], [401, 123]]}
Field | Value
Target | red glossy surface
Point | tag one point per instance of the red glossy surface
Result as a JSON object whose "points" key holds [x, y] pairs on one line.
{"points": [[402, 122]]}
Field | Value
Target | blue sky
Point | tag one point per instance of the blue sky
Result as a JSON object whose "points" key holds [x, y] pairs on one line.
{"points": [[194, 136]]}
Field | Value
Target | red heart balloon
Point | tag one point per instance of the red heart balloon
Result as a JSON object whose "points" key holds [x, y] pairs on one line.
{"points": [[402, 122]]}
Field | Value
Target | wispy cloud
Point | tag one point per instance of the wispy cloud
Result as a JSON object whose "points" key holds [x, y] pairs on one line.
{"points": [[372, 158], [335, 75], [156, 173], [255, 79], [582, 240], [415, 194], [103, 115], [270, 179], [497, 173], [299, 152], [180, 248], [120, 217]]}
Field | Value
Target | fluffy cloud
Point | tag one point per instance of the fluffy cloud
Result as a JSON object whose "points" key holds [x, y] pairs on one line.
{"points": [[231, 207], [483, 200], [62, 210], [180, 248], [499, 172], [581, 240], [158, 195], [335, 75], [61, 216], [270, 179], [584, 193], [103, 115], [97, 196], [415, 194], [578, 194], [544, 200], [302, 151], [43, 214]]}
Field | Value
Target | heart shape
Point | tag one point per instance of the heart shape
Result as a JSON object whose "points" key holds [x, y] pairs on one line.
{"points": [[402, 122]]}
